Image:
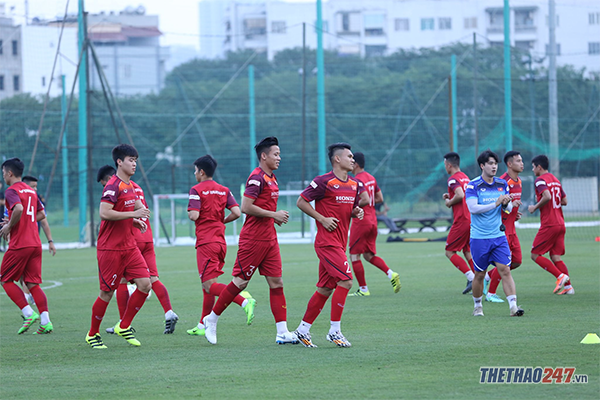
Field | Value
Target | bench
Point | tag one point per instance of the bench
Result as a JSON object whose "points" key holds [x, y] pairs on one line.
{"points": [[425, 223]]}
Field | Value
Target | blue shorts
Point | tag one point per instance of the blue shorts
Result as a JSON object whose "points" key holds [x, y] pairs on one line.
{"points": [[488, 251]]}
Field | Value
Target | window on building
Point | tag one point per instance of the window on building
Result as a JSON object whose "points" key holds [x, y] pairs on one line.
{"points": [[1, 47], [348, 23], [43, 81], [496, 19], [557, 49], [255, 27], [127, 70], [594, 48], [594, 18], [471, 23], [278, 27], [15, 48], [345, 22], [374, 24], [444, 23], [402, 24], [524, 45], [1, 82], [16, 85], [426, 24], [524, 20], [375, 50], [548, 20]]}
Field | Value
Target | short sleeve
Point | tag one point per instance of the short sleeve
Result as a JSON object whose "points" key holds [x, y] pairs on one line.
{"points": [[359, 189], [194, 202], [231, 200], [40, 206], [254, 186], [315, 190], [110, 193], [540, 186], [453, 184], [471, 192], [12, 198]]}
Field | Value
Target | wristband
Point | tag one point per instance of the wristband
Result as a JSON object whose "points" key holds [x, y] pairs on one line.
{"points": [[50, 241]]}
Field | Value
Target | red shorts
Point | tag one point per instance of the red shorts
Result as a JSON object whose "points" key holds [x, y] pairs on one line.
{"points": [[256, 254], [25, 262], [333, 266], [550, 239], [515, 248], [458, 237], [363, 238], [147, 250], [211, 259], [115, 264]]}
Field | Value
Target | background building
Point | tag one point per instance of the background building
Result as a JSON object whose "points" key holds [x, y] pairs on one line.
{"points": [[10, 56], [380, 27]]}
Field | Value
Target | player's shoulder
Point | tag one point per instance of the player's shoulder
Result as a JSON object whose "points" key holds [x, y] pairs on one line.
{"points": [[499, 181], [476, 181], [257, 176]]}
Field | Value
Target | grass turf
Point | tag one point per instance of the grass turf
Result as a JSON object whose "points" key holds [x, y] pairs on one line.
{"points": [[420, 343]]}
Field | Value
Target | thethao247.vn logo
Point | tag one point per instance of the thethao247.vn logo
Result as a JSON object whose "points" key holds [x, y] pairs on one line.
{"points": [[530, 375]]}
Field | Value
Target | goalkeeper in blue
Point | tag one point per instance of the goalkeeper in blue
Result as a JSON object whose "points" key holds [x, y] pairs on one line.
{"points": [[487, 198]]}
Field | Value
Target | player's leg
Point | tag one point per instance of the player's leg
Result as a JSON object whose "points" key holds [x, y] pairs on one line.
{"points": [[557, 250], [338, 300], [359, 272], [480, 251], [543, 243], [279, 310], [313, 309], [501, 257], [394, 277], [26, 291], [17, 296], [494, 281], [458, 240], [33, 277]]}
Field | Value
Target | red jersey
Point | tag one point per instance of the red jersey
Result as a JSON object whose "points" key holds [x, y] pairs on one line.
{"points": [[25, 232], [370, 185], [460, 210], [515, 188], [333, 199], [118, 235], [551, 212], [140, 237], [210, 199], [264, 189]]}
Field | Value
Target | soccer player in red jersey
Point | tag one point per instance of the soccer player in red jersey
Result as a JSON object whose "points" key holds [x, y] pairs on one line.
{"points": [[24, 255], [145, 242], [459, 235], [550, 198], [363, 232], [258, 246], [207, 203], [337, 196], [121, 211], [514, 165]]}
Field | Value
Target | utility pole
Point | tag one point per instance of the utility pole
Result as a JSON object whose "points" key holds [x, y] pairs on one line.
{"points": [[83, 125], [475, 110], [320, 90], [552, 91], [252, 117], [507, 82], [303, 164]]}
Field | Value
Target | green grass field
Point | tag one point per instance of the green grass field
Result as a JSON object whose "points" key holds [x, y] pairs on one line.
{"points": [[420, 343]]}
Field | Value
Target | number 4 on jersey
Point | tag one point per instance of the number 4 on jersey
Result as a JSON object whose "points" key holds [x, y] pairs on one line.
{"points": [[30, 210]]}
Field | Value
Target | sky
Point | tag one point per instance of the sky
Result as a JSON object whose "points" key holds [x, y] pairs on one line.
{"points": [[178, 19]]}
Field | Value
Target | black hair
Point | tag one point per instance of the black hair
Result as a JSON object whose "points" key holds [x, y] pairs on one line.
{"points": [[206, 163], [14, 165], [452, 158], [333, 148], [105, 171], [542, 161], [264, 145], [359, 158], [509, 155], [485, 156], [29, 178], [121, 151]]}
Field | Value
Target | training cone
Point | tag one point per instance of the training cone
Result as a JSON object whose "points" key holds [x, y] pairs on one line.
{"points": [[591, 338]]}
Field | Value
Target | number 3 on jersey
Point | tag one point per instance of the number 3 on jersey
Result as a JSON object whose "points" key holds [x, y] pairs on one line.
{"points": [[30, 210], [555, 191]]}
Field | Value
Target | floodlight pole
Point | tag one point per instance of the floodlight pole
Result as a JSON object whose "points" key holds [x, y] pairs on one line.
{"points": [[453, 125], [552, 91], [83, 125], [65, 155], [303, 164], [252, 112], [320, 89], [507, 82]]}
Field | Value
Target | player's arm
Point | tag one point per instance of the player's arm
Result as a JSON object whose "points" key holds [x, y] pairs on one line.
{"points": [[546, 197], [475, 208], [48, 233], [328, 223], [234, 214], [17, 212], [363, 199], [193, 215], [248, 208], [378, 197], [563, 201], [108, 213], [459, 195]]}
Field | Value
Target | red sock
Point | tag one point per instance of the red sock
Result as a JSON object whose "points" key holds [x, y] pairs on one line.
{"points": [[471, 265], [379, 263], [226, 297], [459, 263], [359, 272], [547, 265], [122, 299], [315, 305], [207, 304], [98, 311], [162, 294], [562, 267], [136, 301], [15, 293], [216, 289], [39, 297], [338, 300], [494, 280], [278, 306]]}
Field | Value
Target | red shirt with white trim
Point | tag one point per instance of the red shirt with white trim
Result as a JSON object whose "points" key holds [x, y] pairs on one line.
{"points": [[25, 232], [210, 199]]}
